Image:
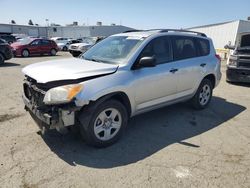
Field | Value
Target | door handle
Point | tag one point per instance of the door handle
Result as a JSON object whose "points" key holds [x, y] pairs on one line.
{"points": [[173, 70], [203, 64]]}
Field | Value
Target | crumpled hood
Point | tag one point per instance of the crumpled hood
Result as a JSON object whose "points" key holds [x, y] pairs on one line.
{"points": [[67, 69]]}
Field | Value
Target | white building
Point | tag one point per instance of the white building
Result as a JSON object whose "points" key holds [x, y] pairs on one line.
{"points": [[222, 33], [85, 31], [62, 31], [29, 30]]}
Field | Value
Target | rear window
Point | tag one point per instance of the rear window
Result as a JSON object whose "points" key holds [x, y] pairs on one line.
{"points": [[203, 45], [184, 48]]}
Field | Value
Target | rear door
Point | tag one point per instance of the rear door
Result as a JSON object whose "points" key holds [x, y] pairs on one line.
{"points": [[45, 46], [189, 62]]}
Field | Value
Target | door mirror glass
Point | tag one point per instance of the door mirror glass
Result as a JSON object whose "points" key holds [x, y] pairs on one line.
{"points": [[147, 62], [230, 47]]}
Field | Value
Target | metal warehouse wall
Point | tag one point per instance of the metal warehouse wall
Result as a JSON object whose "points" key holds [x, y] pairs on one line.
{"points": [[107, 30], [23, 29], [62, 31], [70, 31], [85, 31], [221, 34]]}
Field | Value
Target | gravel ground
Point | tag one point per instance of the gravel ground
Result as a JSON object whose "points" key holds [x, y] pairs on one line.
{"points": [[170, 147]]}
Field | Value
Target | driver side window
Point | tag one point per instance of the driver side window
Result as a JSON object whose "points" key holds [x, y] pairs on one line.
{"points": [[35, 43], [160, 49]]}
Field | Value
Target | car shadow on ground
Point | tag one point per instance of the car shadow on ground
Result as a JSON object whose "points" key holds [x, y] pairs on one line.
{"points": [[9, 64], [146, 134], [240, 84]]}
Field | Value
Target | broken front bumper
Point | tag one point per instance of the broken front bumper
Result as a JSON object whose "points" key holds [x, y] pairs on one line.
{"points": [[54, 118]]}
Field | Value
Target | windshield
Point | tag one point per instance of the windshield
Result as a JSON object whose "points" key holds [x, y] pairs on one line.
{"points": [[245, 41], [88, 40], [24, 41], [113, 50]]}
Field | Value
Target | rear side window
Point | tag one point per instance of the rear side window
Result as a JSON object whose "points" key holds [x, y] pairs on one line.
{"points": [[204, 47], [184, 48], [1, 41], [52, 42], [160, 48], [45, 42]]}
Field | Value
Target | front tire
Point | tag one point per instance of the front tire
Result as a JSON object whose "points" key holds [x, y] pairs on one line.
{"points": [[103, 124], [203, 95]]}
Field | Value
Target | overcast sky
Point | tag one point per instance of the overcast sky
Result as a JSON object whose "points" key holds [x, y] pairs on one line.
{"points": [[139, 14]]}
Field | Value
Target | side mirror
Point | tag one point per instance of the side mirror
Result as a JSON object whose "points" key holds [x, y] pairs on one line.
{"points": [[230, 47], [147, 62]]}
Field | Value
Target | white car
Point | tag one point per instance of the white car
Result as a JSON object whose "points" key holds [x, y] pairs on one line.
{"points": [[79, 48], [60, 39], [62, 43]]}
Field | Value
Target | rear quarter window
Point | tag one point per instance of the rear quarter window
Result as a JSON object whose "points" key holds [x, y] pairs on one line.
{"points": [[203, 47]]}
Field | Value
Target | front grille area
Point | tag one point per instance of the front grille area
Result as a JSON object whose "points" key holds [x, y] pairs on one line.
{"points": [[244, 58], [244, 64], [34, 94]]}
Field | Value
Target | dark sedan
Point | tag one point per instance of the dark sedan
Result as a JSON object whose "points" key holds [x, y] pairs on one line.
{"points": [[5, 51]]}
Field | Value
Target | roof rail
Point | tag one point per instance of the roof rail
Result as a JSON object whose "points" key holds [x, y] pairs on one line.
{"points": [[134, 30], [184, 31], [168, 30]]}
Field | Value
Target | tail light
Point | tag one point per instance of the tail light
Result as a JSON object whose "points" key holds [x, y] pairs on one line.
{"points": [[218, 57]]}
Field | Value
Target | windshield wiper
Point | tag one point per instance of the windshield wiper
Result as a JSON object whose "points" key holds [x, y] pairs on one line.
{"points": [[92, 59]]}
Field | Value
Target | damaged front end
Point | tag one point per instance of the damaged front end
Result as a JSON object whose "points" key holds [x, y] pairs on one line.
{"points": [[47, 115], [238, 65]]}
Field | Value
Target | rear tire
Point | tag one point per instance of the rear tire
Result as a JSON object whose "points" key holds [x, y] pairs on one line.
{"points": [[203, 95], [74, 54], [65, 48], [53, 52], [1, 59], [25, 53], [102, 124]]}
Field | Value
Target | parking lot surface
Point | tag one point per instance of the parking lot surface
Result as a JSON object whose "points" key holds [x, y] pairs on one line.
{"points": [[175, 146]]}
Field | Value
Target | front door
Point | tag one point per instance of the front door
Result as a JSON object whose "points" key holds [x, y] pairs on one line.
{"points": [[34, 47], [156, 85]]}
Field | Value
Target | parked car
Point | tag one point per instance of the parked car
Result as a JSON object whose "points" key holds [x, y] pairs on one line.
{"points": [[122, 76], [79, 48], [34, 46], [60, 39], [64, 46], [5, 51], [238, 63], [8, 38]]}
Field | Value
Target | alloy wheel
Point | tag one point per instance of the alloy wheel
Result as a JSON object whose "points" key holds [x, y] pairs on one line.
{"points": [[205, 95], [107, 124]]}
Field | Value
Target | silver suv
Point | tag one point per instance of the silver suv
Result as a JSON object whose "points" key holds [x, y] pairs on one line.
{"points": [[122, 76]]}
